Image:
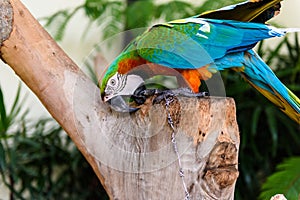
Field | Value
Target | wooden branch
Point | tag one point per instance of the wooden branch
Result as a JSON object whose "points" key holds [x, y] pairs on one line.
{"points": [[132, 155]]}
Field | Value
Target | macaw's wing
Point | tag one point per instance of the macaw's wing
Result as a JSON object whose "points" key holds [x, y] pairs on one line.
{"points": [[193, 42], [253, 10], [262, 78]]}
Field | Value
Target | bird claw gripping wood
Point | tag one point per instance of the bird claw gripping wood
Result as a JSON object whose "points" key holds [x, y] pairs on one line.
{"points": [[184, 92], [168, 100], [141, 94]]}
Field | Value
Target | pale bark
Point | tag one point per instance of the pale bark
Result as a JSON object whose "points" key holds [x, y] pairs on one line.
{"points": [[131, 154]]}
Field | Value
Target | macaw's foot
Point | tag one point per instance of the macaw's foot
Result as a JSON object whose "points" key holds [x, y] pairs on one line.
{"points": [[141, 94], [185, 92]]}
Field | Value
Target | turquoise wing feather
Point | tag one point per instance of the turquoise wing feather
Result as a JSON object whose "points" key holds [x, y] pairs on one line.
{"points": [[194, 42], [262, 78]]}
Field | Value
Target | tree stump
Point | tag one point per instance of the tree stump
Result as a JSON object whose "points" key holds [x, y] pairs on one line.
{"points": [[140, 160], [132, 154]]}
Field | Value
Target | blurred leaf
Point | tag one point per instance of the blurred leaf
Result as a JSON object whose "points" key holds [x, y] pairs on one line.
{"points": [[15, 109], [2, 158], [274, 53], [94, 8], [173, 10], [91, 71], [139, 13], [285, 181], [272, 123], [3, 124], [255, 119], [57, 23], [111, 29]]}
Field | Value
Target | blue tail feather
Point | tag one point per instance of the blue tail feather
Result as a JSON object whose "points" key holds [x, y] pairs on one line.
{"points": [[262, 78]]}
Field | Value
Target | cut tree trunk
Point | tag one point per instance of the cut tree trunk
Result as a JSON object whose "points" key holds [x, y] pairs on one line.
{"points": [[132, 154]]}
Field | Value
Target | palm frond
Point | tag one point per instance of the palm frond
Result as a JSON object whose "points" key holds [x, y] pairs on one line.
{"points": [[285, 181]]}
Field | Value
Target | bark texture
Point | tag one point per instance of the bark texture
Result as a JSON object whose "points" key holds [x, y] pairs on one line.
{"points": [[132, 154], [6, 17]]}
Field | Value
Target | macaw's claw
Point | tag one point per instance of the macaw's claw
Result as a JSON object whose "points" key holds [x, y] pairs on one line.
{"points": [[118, 104], [141, 94]]}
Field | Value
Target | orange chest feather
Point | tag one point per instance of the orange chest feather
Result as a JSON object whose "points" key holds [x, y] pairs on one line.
{"points": [[127, 65]]}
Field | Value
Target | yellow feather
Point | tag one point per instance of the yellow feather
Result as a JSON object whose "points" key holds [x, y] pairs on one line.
{"points": [[246, 12], [283, 105]]}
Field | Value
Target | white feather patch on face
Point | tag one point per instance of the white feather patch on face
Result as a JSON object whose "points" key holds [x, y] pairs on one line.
{"points": [[122, 84]]}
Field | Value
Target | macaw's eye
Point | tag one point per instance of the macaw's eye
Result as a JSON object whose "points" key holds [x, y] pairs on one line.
{"points": [[112, 82]]}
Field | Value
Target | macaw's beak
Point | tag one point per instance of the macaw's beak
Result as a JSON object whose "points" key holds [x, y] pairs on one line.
{"points": [[118, 104]]}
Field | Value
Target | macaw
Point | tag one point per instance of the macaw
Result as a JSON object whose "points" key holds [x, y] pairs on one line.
{"points": [[194, 48]]}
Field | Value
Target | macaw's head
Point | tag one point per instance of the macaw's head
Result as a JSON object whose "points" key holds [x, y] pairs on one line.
{"points": [[115, 87]]}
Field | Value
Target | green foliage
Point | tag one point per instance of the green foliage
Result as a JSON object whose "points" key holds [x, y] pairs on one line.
{"points": [[285, 181], [57, 23], [173, 10], [39, 161], [115, 16], [138, 14], [10, 118]]}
